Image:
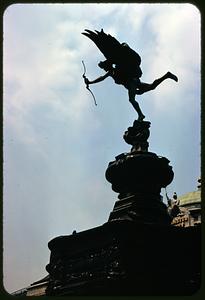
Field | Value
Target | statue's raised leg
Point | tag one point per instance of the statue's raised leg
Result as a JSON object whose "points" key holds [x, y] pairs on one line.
{"points": [[146, 87]]}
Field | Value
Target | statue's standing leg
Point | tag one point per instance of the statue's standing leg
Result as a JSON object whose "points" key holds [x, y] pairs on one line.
{"points": [[135, 104]]}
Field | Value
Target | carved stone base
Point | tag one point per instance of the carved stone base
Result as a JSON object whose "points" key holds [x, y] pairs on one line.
{"points": [[139, 172], [138, 178], [126, 258], [141, 208]]}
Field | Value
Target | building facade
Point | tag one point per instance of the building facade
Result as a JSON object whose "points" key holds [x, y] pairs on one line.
{"points": [[189, 209]]}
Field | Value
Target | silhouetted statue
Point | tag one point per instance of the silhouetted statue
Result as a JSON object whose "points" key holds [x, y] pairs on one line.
{"points": [[123, 65], [173, 205]]}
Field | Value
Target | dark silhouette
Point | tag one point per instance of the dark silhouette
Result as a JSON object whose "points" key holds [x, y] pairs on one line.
{"points": [[173, 205], [123, 65]]}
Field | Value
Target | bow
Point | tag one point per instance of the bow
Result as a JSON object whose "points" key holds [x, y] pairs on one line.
{"points": [[86, 82]]}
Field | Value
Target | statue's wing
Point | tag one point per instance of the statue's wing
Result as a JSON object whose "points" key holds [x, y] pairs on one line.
{"points": [[112, 49], [107, 44]]}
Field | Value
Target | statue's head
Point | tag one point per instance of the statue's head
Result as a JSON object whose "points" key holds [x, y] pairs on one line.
{"points": [[105, 65], [125, 45]]}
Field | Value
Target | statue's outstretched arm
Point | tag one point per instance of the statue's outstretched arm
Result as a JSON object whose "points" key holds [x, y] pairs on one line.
{"points": [[99, 79]]}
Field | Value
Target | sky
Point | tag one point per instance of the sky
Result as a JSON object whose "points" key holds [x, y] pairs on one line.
{"points": [[57, 143]]}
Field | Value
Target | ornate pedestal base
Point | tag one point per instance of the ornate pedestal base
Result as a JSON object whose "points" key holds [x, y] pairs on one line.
{"points": [[141, 209], [138, 177], [125, 258]]}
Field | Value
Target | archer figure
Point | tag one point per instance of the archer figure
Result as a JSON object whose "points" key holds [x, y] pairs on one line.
{"points": [[123, 65]]}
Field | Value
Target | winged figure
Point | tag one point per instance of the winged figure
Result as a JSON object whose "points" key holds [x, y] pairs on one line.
{"points": [[123, 65]]}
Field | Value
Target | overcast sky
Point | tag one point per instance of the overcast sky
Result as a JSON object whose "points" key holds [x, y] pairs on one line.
{"points": [[57, 143]]}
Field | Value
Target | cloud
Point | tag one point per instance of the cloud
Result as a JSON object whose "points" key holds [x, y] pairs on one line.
{"points": [[172, 29]]}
